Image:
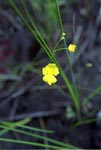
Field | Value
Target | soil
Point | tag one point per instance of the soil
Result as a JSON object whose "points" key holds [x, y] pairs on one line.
{"points": [[28, 96]]}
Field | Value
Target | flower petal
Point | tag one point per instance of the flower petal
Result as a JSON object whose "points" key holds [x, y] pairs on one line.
{"points": [[50, 79], [50, 69], [72, 47]]}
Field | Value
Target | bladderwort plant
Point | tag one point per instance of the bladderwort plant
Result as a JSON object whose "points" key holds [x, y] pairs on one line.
{"points": [[50, 72], [51, 53]]}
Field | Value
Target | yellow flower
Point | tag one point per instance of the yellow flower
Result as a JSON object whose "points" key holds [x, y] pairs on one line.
{"points": [[72, 47], [50, 69], [49, 72], [50, 79]]}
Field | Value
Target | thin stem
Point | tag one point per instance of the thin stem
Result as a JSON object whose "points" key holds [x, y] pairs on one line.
{"points": [[69, 62], [36, 136], [18, 124], [73, 79], [91, 96], [64, 40], [60, 49], [29, 143], [58, 42], [33, 25], [29, 28], [86, 121], [71, 69], [59, 16]]}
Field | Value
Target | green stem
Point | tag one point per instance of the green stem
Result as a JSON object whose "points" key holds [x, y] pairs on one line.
{"points": [[57, 44], [33, 25], [30, 143], [59, 49], [69, 62], [90, 96], [71, 71], [37, 136], [29, 28], [59, 16]]}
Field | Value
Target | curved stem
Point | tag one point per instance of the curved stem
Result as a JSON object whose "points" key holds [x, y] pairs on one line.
{"points": [[59, 49]]}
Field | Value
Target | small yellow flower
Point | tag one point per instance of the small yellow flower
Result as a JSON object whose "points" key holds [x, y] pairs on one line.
{"points": [[50, 79], [72, 47], [49, 72], [50, 69]]}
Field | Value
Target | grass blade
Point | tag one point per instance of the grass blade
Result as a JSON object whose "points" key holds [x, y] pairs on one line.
{"points": [[38, 136]]}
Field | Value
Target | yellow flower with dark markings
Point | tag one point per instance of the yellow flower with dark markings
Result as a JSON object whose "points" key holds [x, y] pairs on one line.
{"points": [[49, 72], [72, 48]]}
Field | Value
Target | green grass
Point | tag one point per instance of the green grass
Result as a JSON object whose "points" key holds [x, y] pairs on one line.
{"points": [[13, 126]]}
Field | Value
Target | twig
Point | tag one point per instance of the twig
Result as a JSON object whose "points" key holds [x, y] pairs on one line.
{"points": [[14, 108], [33, 115]]}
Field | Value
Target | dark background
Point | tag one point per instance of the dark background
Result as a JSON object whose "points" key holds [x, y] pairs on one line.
{"points": [[22, 91]]}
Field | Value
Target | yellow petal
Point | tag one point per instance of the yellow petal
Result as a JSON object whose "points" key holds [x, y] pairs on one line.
{"points": [[72, 47], [50, 79], [50, 69], [44, 71]]}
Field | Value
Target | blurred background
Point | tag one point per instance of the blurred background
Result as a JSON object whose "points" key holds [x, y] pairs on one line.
{"points": [[22, 91]]}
